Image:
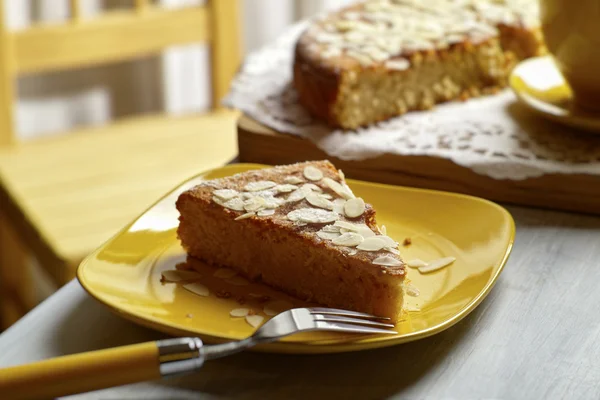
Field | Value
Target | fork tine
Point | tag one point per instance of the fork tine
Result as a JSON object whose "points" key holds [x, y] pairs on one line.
{"points": [[342, 327], [347, 313], [348, 320]]}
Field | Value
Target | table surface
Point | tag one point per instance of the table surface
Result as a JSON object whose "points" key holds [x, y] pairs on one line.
{"points": [[537, 335]]}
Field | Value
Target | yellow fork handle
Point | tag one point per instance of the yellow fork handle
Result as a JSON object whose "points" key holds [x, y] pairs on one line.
{"points": [[83, 372]]}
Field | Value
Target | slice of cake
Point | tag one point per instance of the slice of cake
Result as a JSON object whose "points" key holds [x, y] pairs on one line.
{"points": [[298, 228], [382, 58]]}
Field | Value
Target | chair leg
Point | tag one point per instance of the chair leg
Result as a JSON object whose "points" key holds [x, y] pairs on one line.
{"points": [[17, 293]]}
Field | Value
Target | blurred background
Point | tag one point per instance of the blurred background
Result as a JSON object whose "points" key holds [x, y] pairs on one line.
{"points": [[177, 81], [70, 177]]}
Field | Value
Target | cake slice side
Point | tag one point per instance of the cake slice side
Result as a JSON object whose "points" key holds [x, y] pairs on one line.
{"points": [[302, 258]]}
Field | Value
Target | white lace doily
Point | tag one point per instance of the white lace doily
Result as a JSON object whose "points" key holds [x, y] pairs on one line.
{"points": [[492, 135]]}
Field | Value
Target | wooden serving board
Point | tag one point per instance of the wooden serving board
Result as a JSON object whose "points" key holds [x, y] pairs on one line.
{"points": [[574, 192]]}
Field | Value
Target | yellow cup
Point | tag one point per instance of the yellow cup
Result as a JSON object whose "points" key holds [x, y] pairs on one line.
{"points": [[571, 30]]}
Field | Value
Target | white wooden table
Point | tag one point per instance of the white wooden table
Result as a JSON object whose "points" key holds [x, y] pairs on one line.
{"points": [[536, 336]]}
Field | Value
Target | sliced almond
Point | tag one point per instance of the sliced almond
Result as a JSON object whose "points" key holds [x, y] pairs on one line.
{"points": [[326, 196], [392, 250], [365, 231], [317, 200], [341, 174], [294, 180], [285, 188], [265, 213], [312, 216], [178, 275], [246, 215], [197, 288], [313, 174], [296, 195], [390, 242], [254, 320], [411, 290], [312, 187], [383, 230], [330, 228], [416, 263], [352, 252], [347, 225], [351, 239], [236, 204], [239, 312], [254, 203], [437, 264], [338, 205], [226, 194], [387, 261], [328, 235], [277, 307], [338, 188], [374, 243], [354, 207], [224, 273], [259, 185]]}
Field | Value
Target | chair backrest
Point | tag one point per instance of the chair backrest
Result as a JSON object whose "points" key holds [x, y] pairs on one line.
{"points": [[116, 36]]}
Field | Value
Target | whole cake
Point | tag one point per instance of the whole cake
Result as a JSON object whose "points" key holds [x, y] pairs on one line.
{"points": [[298, 228], [382, 58]]}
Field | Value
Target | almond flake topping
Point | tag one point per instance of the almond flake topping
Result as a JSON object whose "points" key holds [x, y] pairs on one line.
{"points": [[312, 216], [254, 203], [338, 206], [328, 235], [331, 228], [239, 312], [236, 204], [226, 194], [354, 207], [254, 320], [383, 230], [265, 213], [259, 185], [374, 243], [411, 290], [342, 191], [286, 188], [312, 187], [246, 215], [387, 261], [317, 200], [294, 180], [197, 288], [437, 264], [416, 263], [346, 225], [313, 174], [348, 240]]}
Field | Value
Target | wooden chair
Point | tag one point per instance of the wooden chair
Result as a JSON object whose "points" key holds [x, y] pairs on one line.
{"points": [[62, 197]]}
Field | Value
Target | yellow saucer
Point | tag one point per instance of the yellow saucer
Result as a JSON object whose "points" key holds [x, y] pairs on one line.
{"points": [[537, 82], [125, 272]]}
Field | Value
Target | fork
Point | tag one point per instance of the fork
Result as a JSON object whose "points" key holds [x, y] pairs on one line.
{"points": [[101, 369]]}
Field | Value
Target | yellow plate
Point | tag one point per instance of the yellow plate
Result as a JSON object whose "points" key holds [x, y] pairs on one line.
{"points": [[125, 272], [537, 82]]}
